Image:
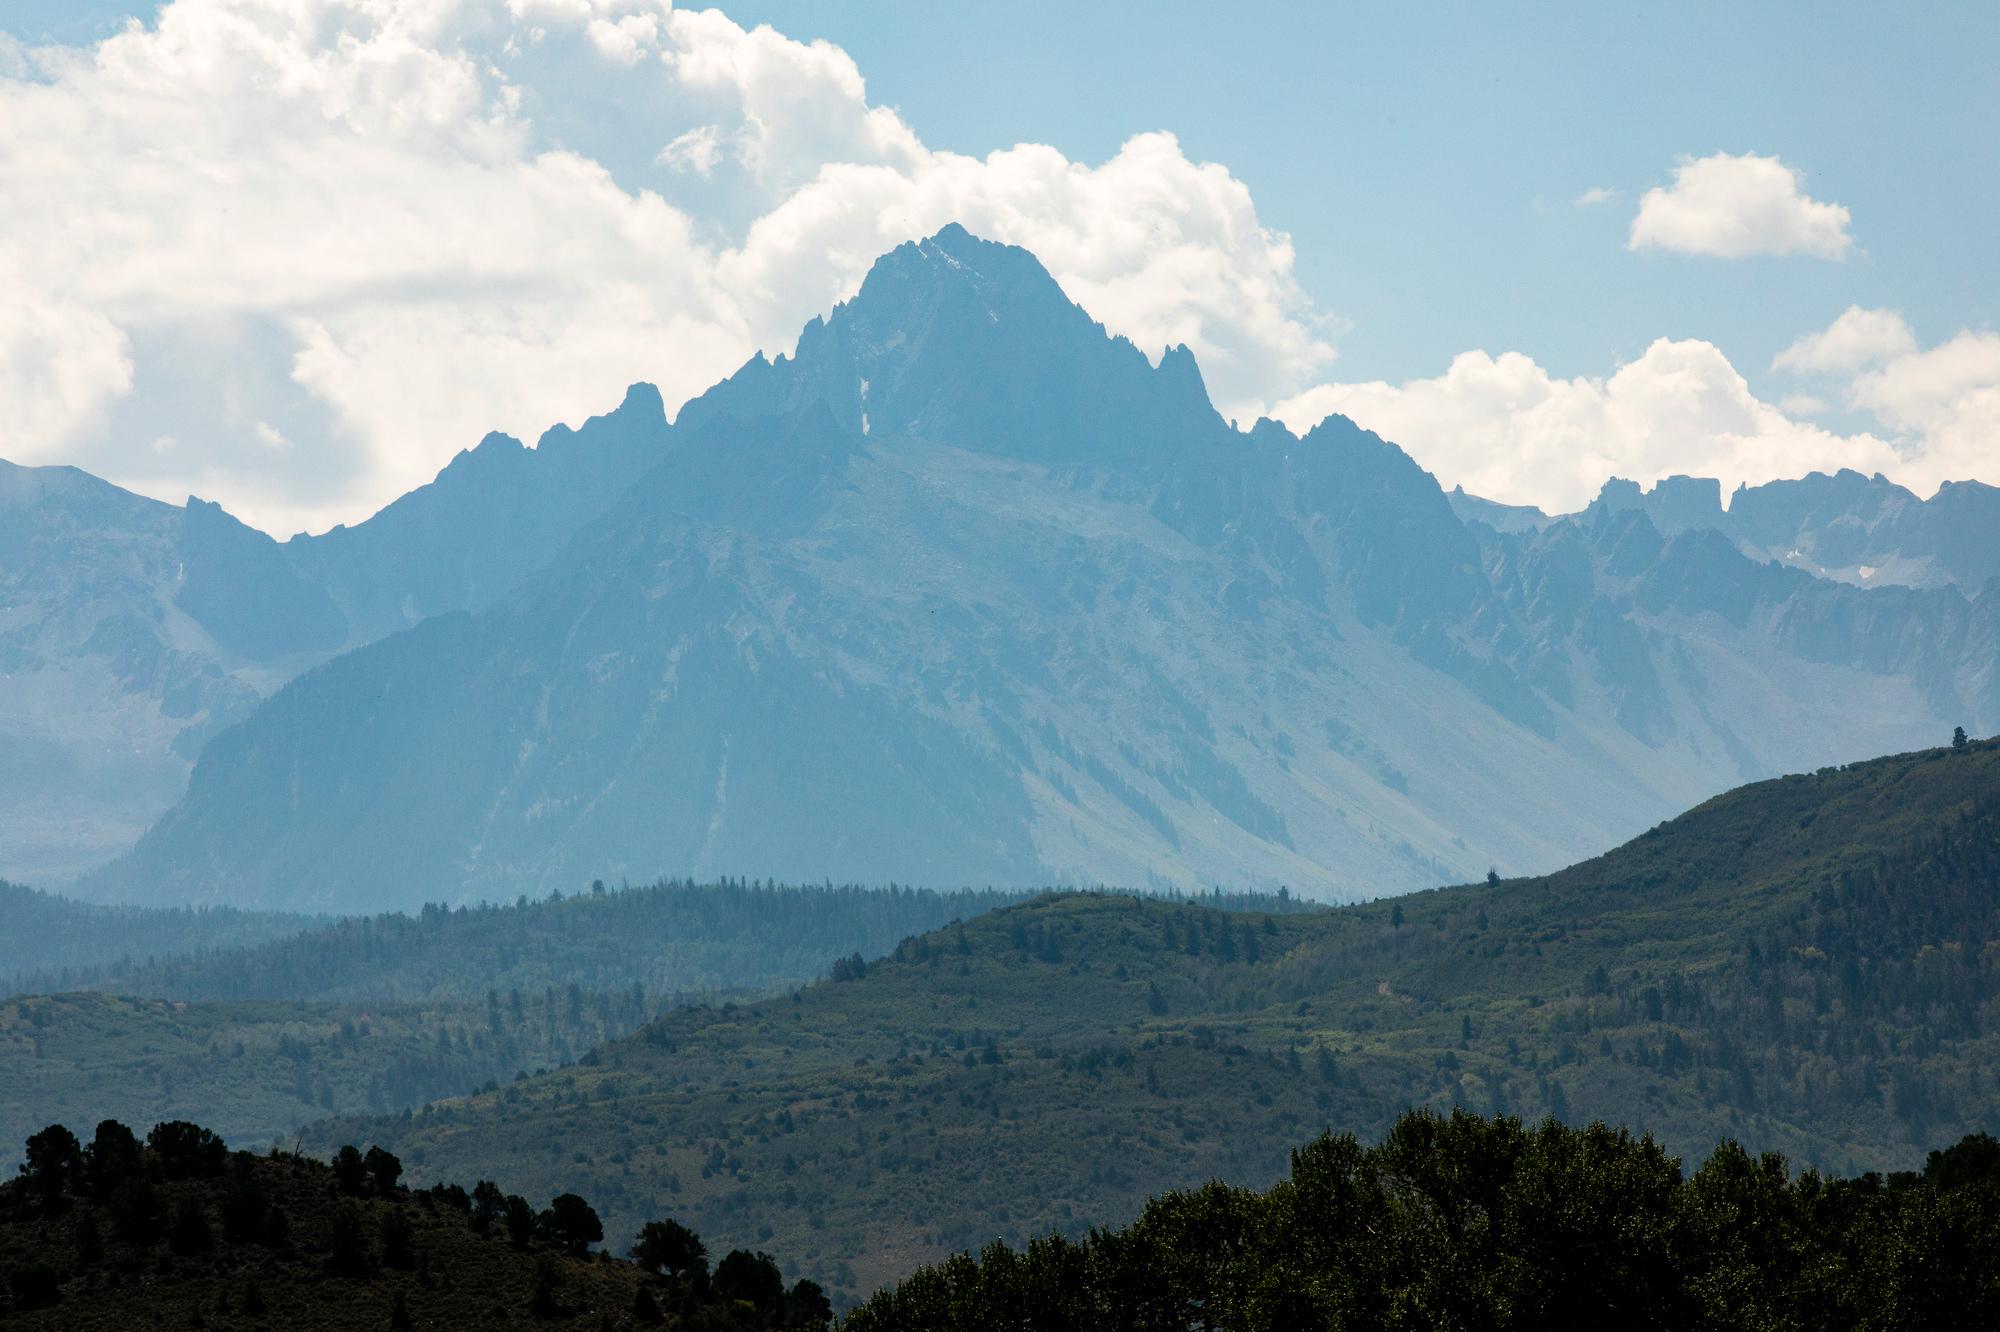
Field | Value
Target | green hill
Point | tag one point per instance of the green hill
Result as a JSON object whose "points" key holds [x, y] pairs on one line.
{"points": [[109, 1233], [258, 1070], [384, 1013], [1803, 965], [47, 933]]}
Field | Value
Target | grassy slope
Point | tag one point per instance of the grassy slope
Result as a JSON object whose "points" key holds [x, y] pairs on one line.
{"points": [[864, 1127]]}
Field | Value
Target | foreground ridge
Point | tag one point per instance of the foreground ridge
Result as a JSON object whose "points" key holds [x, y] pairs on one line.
{"points": [[118, 1234], [1462, 1221]]}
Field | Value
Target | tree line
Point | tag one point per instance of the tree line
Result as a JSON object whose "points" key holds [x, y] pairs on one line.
{"points": [[1464, 1221], [81, 1214], [675, 938]]}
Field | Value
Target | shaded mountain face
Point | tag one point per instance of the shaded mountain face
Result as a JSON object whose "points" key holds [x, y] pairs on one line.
{"points": [[114, 615], [494, 515], [131, 631], [968, 591]]}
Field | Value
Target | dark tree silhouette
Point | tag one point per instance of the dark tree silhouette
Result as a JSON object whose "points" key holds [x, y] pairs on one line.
{"points": [[350, 1169], [571, 1224], [488, 1205], [751, 1277], [53, 1159], [186, 1151], [520, 1216], [670, 1249], [384, 1169], [112, 1156]]}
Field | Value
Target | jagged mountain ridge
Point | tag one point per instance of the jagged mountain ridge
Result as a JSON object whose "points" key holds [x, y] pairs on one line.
{"points": [[1865, 530], [969, 591], [131, 630]]}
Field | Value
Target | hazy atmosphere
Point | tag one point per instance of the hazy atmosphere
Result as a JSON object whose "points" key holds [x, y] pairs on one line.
{"points": [[1047, 667]]}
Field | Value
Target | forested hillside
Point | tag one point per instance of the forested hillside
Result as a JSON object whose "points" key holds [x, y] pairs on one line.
{"points": [[1464, 1222], [1802, 965], [385, 1013], [46, 933], [258, 1070], [104, 1231], [671, 938]]}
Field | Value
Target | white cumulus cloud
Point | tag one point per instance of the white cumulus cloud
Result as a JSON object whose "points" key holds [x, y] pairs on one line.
{"points": [[61, 365], [1940, 404], [1857, 338], [1505, 428], [1735, 206], [379, 228], [1945, 400], [698, 150]]}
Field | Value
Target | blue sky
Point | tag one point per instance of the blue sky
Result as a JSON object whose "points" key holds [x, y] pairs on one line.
{"points": [[1426, 163], [1423, 157]]}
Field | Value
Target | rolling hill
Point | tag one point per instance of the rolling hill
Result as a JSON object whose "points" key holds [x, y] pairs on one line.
{"points": [[258, 1071], [386, 1013], [1804, 965], [669, 938], [47, 933]]}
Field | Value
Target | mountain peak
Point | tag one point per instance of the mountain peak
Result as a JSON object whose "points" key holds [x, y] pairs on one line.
{"points": [[973, 342], [956, 275], [642, 400]]}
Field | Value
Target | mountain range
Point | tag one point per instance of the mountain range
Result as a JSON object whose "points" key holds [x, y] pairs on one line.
{"points": [[965, 590], [1857, 529]]}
